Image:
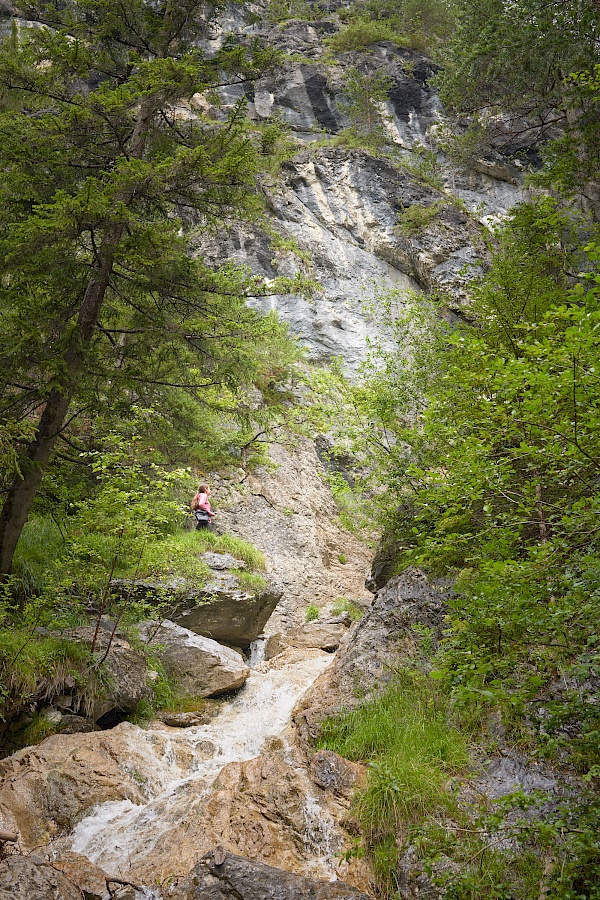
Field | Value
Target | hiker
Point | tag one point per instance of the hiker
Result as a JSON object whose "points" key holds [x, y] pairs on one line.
{"points": [[201, 507]]}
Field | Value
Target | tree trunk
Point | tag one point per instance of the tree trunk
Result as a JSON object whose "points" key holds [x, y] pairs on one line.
{"points": [[34, 460]]}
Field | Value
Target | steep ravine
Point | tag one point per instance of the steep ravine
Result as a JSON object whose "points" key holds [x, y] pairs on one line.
{"points": [[143, 805]]}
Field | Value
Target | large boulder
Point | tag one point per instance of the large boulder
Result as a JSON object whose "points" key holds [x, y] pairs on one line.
{"points": [[201, 667], [220, 875], [226, 612], [374, 646], [317, 635], [222, 609], [124, 670]]}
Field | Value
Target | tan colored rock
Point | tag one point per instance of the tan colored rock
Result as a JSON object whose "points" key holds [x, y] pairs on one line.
{"points": [[80, 871], [274, 645], [319, 635], [316, 635], [286, 509], [201, 667], [44, 790], [183, 719]]}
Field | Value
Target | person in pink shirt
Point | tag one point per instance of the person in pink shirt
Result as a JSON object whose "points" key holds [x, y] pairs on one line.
{"points": [[201, 507]]}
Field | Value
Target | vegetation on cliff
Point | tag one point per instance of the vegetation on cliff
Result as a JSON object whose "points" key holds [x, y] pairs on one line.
{"points": [[483, 441]]}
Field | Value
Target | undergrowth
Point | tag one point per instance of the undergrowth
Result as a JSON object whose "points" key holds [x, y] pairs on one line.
{"points": [[35, 668], [361, 33], [412, 750]]}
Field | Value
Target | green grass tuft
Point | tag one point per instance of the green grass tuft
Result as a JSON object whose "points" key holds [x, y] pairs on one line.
{"points": [[312, 613], [40, 545], [228, 543], [344, 605]]}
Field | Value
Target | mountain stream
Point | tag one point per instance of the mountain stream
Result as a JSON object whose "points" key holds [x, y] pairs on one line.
{"points": [[181, 768]]}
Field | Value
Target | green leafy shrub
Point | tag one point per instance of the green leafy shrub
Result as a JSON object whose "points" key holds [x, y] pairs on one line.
{"points": [[362, 33], [283, 10], [416, 218], [312, 613]]}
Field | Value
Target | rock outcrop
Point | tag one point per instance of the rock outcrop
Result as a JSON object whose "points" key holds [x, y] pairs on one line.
{"points": [[124, 676], [222, 609], [370, 650], [320, 635], [286, 509], [199, 666], [225, 876], [226, 612], [45, 790]]}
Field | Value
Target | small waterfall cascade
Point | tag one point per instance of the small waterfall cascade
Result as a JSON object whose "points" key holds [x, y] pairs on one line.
{"points": [[321, 838], [182, 767], [257, 652]]}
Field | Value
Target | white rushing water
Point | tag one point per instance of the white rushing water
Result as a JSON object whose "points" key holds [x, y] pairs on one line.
{"points": [[116, 835]]}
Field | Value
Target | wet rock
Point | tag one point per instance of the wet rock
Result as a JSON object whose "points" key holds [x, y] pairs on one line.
{"points": [[21, 878], [184, 719], [374, 645], [333, 773], [200, 666], [223, 876], [274, 645], [45, 790]]}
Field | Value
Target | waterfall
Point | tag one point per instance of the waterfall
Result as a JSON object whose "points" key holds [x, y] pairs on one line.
{"points": [[120, 835]]}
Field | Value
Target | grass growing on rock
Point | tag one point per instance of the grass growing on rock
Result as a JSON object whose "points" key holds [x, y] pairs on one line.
{"points": [[344, 605], [34, 668], [405, 736], [227, 543], [179, 555]]}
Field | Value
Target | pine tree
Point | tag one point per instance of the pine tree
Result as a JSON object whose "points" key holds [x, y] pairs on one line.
{"points": [[99, 288]]}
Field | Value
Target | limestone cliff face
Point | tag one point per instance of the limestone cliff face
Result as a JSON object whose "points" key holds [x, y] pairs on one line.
{"points": [[340, 208]]}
